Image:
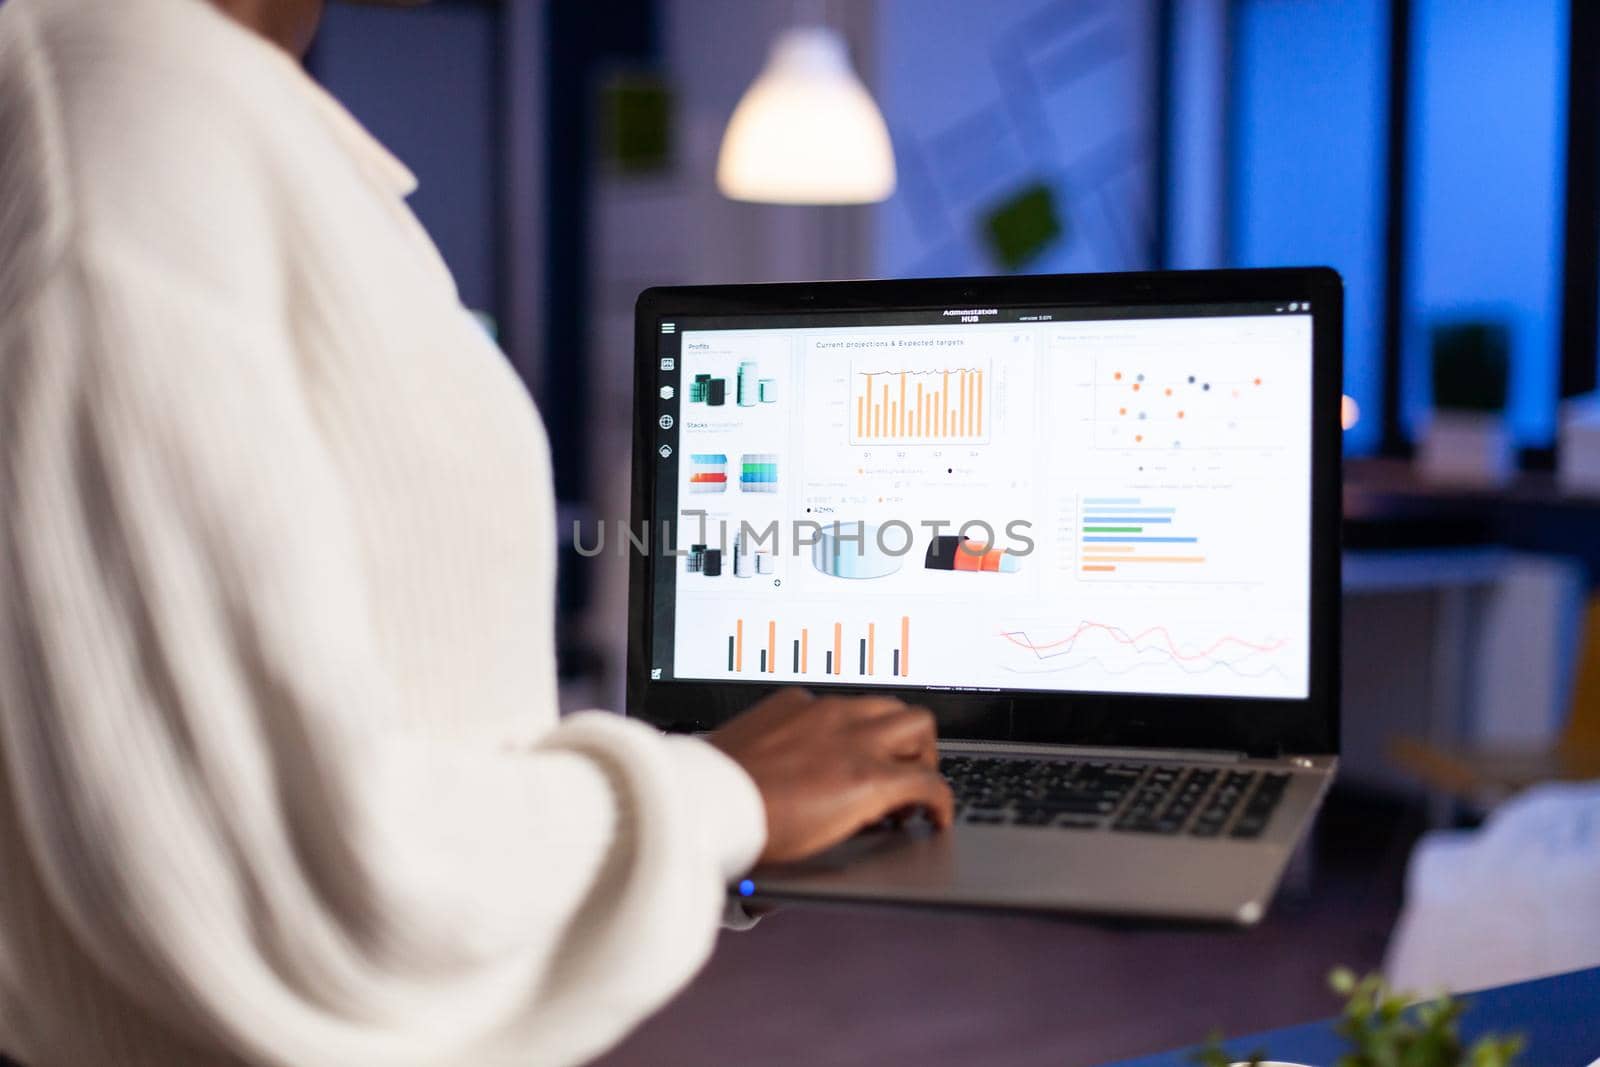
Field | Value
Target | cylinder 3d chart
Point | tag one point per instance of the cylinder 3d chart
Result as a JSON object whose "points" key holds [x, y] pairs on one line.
{"points": [[744, 557], [749, 561], [951, 553], [851, 550], [747, 386]]}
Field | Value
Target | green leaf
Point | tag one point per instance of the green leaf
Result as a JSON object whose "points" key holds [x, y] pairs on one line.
{"points": [[1384, 1028], [1211, 1054]]}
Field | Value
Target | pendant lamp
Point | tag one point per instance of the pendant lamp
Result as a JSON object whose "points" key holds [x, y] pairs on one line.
{"points": [[807, 131]]}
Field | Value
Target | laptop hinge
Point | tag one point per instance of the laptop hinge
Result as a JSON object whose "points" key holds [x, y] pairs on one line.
{"points": [[1197, 755]]}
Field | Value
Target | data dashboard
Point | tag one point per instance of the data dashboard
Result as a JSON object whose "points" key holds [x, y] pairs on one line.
{"points": [[1062, 502]]}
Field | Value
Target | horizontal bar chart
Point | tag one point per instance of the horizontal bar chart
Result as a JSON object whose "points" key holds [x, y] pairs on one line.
{"points": [[1146, 540], [1113, 531]]}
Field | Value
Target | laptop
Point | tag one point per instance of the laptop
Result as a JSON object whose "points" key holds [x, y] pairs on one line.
{"points": [[1091, 521]]}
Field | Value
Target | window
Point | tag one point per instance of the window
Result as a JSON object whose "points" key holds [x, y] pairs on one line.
{"points": [[1025, 139], [1485, 192], [1307, 174]]}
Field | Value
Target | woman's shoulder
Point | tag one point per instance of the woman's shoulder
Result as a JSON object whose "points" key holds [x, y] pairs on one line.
{"points": [[144, 125], [126, 108]]}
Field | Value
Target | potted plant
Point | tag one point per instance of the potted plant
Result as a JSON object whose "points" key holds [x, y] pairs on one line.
{"points": [[1385, 1029], [1466, 439]]}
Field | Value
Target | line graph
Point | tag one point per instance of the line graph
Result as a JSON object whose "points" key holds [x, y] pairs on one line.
{"points": [[1116, 650], [941, 405]]}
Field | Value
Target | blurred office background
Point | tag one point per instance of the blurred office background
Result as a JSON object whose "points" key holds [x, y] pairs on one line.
{"points": [[1443, 155]]}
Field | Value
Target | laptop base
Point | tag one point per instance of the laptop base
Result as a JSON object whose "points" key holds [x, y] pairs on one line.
{"points": [[1100, 871]]}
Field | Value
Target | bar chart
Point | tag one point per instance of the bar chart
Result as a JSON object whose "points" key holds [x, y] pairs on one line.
{"points": [[946, 405], [1122, 534], [834, 650]]}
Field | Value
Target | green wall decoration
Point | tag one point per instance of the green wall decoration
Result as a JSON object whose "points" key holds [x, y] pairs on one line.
{"points": [[1023, 225], [637, 113]]}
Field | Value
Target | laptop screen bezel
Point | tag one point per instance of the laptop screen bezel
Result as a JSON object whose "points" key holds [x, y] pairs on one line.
{"points": [[1261, 727]]}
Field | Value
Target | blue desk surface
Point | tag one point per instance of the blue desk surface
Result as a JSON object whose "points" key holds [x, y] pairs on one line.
{"points": [[1560, 1017]]}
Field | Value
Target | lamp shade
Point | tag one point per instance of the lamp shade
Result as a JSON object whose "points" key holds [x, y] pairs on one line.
{"points": [[807, 131]]}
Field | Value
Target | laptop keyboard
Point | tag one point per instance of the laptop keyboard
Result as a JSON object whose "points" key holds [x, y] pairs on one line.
{"points": [[1136, 798]]}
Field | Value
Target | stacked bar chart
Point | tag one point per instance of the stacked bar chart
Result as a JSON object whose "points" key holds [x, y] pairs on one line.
{"points": [[1123, 534], [755, 647], [758, 472], [941, 406], [708, 472]]}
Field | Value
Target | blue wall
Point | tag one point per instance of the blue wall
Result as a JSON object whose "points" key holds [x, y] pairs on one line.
{"points": [[1307, 169], [1488, 99]]}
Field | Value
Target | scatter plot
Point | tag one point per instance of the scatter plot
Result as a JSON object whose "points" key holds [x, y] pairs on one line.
{"points": [[1227, 403]]}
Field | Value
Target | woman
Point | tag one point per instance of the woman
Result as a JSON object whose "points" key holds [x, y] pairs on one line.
{"points": [[282, 781]]}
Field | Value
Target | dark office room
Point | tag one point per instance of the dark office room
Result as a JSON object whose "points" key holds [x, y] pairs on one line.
{"points": [[777, 458]]}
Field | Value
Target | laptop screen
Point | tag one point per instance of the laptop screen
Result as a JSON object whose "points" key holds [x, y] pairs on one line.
{"points": [[1111, 500]]}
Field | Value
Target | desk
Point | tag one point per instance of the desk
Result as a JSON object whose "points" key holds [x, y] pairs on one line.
{"points": [[1560, 1017], [860, 987], [1387, 505]]}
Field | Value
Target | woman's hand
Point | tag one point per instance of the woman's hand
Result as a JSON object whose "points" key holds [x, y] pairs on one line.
{"points": [[829, 766]]}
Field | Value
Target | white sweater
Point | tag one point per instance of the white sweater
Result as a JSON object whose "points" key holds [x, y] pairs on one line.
{"points": [[281, 780]]}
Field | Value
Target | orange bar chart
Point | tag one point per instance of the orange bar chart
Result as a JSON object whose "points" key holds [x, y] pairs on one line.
{"points": [[978, 407], [862, 641], [912, 406]]}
